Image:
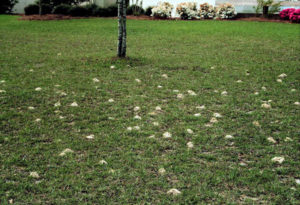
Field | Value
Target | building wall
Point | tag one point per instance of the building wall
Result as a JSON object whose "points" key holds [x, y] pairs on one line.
{"points": [[19, 7]]}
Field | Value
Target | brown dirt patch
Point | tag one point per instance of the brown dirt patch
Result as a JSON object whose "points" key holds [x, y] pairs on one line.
{"points": [[50, 17]]}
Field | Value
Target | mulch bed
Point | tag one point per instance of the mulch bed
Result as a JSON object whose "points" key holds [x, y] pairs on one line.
{"points": [[50, 17]]}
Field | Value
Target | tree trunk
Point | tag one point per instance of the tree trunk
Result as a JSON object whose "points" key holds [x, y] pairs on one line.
{"points": [[122, 28]]}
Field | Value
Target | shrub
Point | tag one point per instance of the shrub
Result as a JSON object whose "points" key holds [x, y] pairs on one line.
{"points": [[271, 5], [31, 9], [207, 11], [187, 10], [92, 9], [46, 9], [6, 6], [63, 9], [226, 11], [135, 10], [107, 12], [295, 16], [78, 11], [148, 11], [162, 10], [113, 10]]}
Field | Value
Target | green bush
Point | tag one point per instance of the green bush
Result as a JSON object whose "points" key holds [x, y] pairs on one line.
{"points": [[135, 10], [46, 9], [148, 11], [78, 11], [7, 5], [63, 9], [31, 9], [113, 10], [92, 9]]}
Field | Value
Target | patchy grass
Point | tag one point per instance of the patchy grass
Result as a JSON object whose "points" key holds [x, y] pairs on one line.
{"points": [[63, 57]]}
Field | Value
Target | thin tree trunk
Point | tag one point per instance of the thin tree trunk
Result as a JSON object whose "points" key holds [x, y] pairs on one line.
{"points": [[122, 28], [120, 24]]}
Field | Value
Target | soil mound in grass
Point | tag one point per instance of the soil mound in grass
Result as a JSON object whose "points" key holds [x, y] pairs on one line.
{"points": [[50, 17]]}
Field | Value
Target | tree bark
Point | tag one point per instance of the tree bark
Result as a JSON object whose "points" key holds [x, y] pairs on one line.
{"points": [[122, 28]]}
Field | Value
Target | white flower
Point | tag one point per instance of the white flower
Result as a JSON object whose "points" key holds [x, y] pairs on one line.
{"points": [[74, 104], [151, 136], [239, 81], [243, 164], [37, 119], [34, 175], [96, 80], [164, 75], [159, 86], [216, 91], [2, 91], [111, 100], [138, 80], [256, 93], [158, 108], [264, 88], [256, 123], [30, 108], [167, 135], [175, 91], [278, 159], [197, 115], [297, 103], [2, 81], [136, 128], [103, 162], [265, 105], [57, 85], [271, 139], [190, 145], [180, 96], [90, 137], [190, 92], [224, 93], [57, 104], [111, 118], [112, 66], [38, 89], [202, 107], [61, 117], [174, 192], [229, 137], [213, 120], [288, 139], [30, 70], [212, 67], [297, 181], [293, 90], [279, 80], [129, 128], [217, 115], [283, 75], [161, 171], [137, 117], [137, 108], [66, 151], [190, 131], [155, 123]]}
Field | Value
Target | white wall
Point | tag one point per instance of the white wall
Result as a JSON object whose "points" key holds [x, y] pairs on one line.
{"points": [[19, 7]]}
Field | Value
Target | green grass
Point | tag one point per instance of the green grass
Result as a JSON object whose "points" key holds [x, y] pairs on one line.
{"points": [[72, 53]]}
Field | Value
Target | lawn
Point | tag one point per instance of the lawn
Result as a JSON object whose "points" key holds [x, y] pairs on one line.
{"points": [[173, 80]]}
